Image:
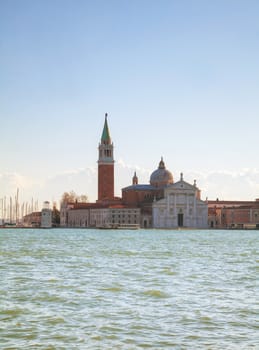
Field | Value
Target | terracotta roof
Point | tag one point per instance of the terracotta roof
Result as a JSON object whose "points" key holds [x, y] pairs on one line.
{"points": [[89, 206], [117, 206], [231, 202]]}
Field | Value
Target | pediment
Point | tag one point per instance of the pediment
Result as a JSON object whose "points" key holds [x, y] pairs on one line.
{"points": [[181, 185]]}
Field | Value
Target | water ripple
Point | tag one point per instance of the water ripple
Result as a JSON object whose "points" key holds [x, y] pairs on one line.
{"points": [[96, 289]]}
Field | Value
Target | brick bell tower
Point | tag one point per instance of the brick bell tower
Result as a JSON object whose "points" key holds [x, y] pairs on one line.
{"points": [[105, 166]]}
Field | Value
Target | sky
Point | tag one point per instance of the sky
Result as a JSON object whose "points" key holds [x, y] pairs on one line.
{"points": [[178, 79]]}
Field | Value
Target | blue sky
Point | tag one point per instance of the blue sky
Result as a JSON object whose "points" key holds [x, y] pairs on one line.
{"points": [[178, 79]]}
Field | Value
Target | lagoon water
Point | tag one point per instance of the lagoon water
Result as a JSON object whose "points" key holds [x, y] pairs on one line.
{"points": [[105, 289]]}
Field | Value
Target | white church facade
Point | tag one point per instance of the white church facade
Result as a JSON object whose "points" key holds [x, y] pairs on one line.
{"points": [[180, 207]]}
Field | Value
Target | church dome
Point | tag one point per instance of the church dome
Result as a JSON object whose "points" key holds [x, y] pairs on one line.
{"points": [[161, 177]]}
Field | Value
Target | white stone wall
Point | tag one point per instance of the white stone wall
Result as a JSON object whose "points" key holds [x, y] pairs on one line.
{"points": [[100, 217], [180, 208], [63, 216], [78, 218], [46, 218], [124, 216]]}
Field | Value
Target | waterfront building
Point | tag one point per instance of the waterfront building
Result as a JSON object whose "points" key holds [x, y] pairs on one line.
{"points": [[124, 216], [64, 210], [233, 214], [96, 215], [41, 218], [32, 219], [46, 216], [181, 207]]}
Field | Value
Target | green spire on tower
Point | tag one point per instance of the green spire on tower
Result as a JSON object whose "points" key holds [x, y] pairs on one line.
{"points": [[106, 138]]}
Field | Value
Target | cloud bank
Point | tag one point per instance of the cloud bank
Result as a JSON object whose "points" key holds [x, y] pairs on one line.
{"points": [[222, 184]]}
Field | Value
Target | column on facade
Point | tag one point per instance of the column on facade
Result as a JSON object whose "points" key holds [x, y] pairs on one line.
{"points": [[195, 219], [175, 209], [169, 216], [187, 196], [251, 215]]}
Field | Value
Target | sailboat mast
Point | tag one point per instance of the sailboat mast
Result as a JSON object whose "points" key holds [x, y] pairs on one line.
{"points": [[11, 210], [16, 206], [4, 208]]}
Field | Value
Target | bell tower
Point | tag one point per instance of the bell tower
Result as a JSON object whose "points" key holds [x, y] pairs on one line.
{"points": [[105, 166]]}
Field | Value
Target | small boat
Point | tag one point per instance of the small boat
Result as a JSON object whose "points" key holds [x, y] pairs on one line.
{"points": [[119, 227], [128, 227]]}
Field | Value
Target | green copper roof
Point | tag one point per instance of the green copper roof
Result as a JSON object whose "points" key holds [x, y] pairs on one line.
{"points": [[106, 138]]}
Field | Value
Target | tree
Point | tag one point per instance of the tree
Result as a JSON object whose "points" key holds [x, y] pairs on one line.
{"points": [[82, 198], [72, 197], [55, 215], [68, 197]]}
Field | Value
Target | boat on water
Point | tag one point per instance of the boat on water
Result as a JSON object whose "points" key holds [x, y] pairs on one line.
{"points": [[119, 227], [128, 227]]}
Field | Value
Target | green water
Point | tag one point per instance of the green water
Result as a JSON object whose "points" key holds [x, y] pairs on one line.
{"points": [[144, 289]]}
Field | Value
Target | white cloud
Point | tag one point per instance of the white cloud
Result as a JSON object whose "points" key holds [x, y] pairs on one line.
{"points": [[10, 182], [82, 181], [228, 185], [124, 173], [133, 168], [242, 184]]}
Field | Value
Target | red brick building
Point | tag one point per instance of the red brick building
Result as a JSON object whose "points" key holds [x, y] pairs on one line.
{"points": [[233, 214]]}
